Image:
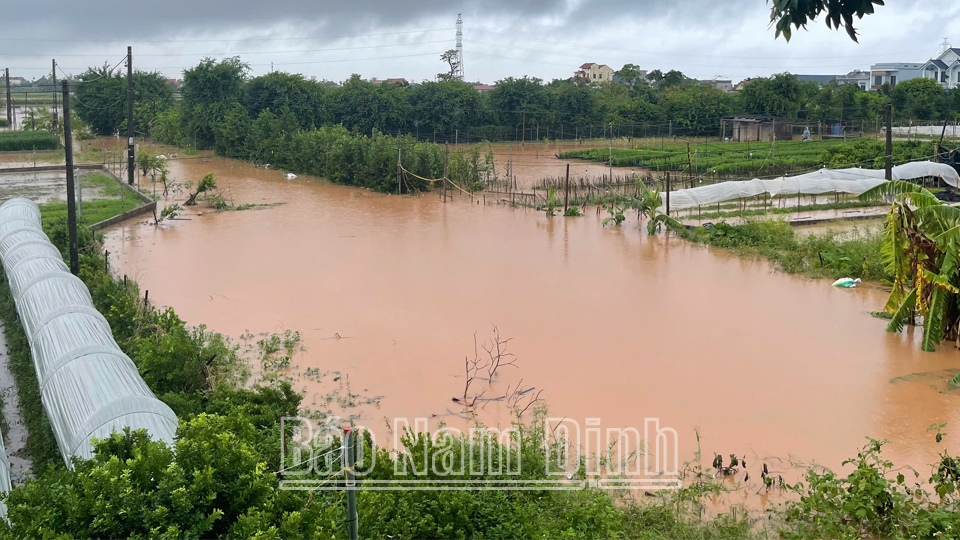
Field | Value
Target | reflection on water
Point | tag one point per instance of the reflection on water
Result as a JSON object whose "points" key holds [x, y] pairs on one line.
{"points": [[608, 322]]}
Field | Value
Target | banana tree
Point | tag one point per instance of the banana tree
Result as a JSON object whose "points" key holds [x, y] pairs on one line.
{"points": [[648, 202], [920, 244]]}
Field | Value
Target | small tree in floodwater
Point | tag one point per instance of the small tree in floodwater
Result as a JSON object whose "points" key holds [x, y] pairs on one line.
{"points": [[208, 182], [921, 240]]}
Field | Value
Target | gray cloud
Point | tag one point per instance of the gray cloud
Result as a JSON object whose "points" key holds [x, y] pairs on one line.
{"points": [[544, 38]]}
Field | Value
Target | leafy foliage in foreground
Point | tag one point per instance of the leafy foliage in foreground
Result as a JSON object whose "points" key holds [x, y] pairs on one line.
{"points": [[876, 500], [920, 247]]}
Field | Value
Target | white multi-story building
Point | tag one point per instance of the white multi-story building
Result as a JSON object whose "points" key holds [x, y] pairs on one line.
{"points": [[945, 69]]}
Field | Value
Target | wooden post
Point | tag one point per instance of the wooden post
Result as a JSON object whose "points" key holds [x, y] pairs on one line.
{"points": [[668, 193], [566, 190]]}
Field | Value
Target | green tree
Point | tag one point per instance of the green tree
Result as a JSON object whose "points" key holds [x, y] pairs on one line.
{"points": [[442, 107], [697, 107], [780, 95], [919, 98], [839, 13], [306, 99], [364, 106], [101, 99], [630, 75], [516, 99], [209, 90]]}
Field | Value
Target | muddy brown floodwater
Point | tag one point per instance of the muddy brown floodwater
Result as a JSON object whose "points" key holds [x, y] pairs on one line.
{"points": [[608, 322]]}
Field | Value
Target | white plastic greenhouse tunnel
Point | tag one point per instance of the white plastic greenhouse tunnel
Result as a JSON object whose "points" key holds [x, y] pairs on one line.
{"points": [[854, 181], [88, 386]]}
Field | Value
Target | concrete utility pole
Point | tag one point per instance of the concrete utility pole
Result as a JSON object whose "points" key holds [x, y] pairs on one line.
{"points": [[9, 101], [889, 152], [130, 133], [71, 200], [53, 122]]}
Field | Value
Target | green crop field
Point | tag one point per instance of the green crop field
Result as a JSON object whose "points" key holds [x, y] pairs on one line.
{"points": [[758, 159], [724, 159], [14, 141]]}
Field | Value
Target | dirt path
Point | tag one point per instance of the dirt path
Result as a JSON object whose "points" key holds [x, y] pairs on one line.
{"points": [[15, 439]]}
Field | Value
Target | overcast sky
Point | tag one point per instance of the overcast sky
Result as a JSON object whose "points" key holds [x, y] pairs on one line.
{"points": [[402, 38]]}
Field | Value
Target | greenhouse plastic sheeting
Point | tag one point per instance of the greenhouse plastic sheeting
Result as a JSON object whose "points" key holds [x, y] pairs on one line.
{"points": [[89, 388], [854, 181]]}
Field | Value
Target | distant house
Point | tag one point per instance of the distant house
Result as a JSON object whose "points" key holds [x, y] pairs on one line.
{"points": [[740, 85], [483, 87], [398, 80], [857, 77], [724, 85], [175, 83], [756, 128], [594, 73], [17, 81], [822, 80], [894, 72], [945, 69]]}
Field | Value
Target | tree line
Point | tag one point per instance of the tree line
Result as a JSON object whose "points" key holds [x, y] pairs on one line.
{"points": [[525, 108]]}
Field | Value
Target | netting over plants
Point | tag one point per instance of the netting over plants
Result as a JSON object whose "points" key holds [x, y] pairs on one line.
{"points": [[854, 181], [88, 386]]}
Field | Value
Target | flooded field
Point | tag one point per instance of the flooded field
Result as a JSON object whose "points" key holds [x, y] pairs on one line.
{"points": [[607, 322]]}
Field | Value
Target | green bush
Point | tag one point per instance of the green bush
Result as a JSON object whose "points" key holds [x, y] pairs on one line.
{"points": [[816, 255]]}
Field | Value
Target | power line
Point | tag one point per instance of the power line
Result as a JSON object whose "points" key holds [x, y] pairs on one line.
{"points": [[659, 53], [300, 38], [242, 53]]}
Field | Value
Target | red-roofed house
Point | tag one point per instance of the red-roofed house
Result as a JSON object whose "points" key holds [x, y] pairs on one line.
{"points": [[594, 73], [483, 87]]}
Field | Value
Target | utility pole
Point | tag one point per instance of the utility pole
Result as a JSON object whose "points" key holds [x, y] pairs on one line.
{"points": [[446, 152], [689, 165], [399, 155], [566, 190], [523, 131], [889, 152], [9, 102], [53, 122], [349, 482], [71, 202], [130, 133]]}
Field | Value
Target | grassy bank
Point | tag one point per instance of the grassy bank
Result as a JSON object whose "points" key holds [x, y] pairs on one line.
{"points": [[107, 205], [815, 255]]}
